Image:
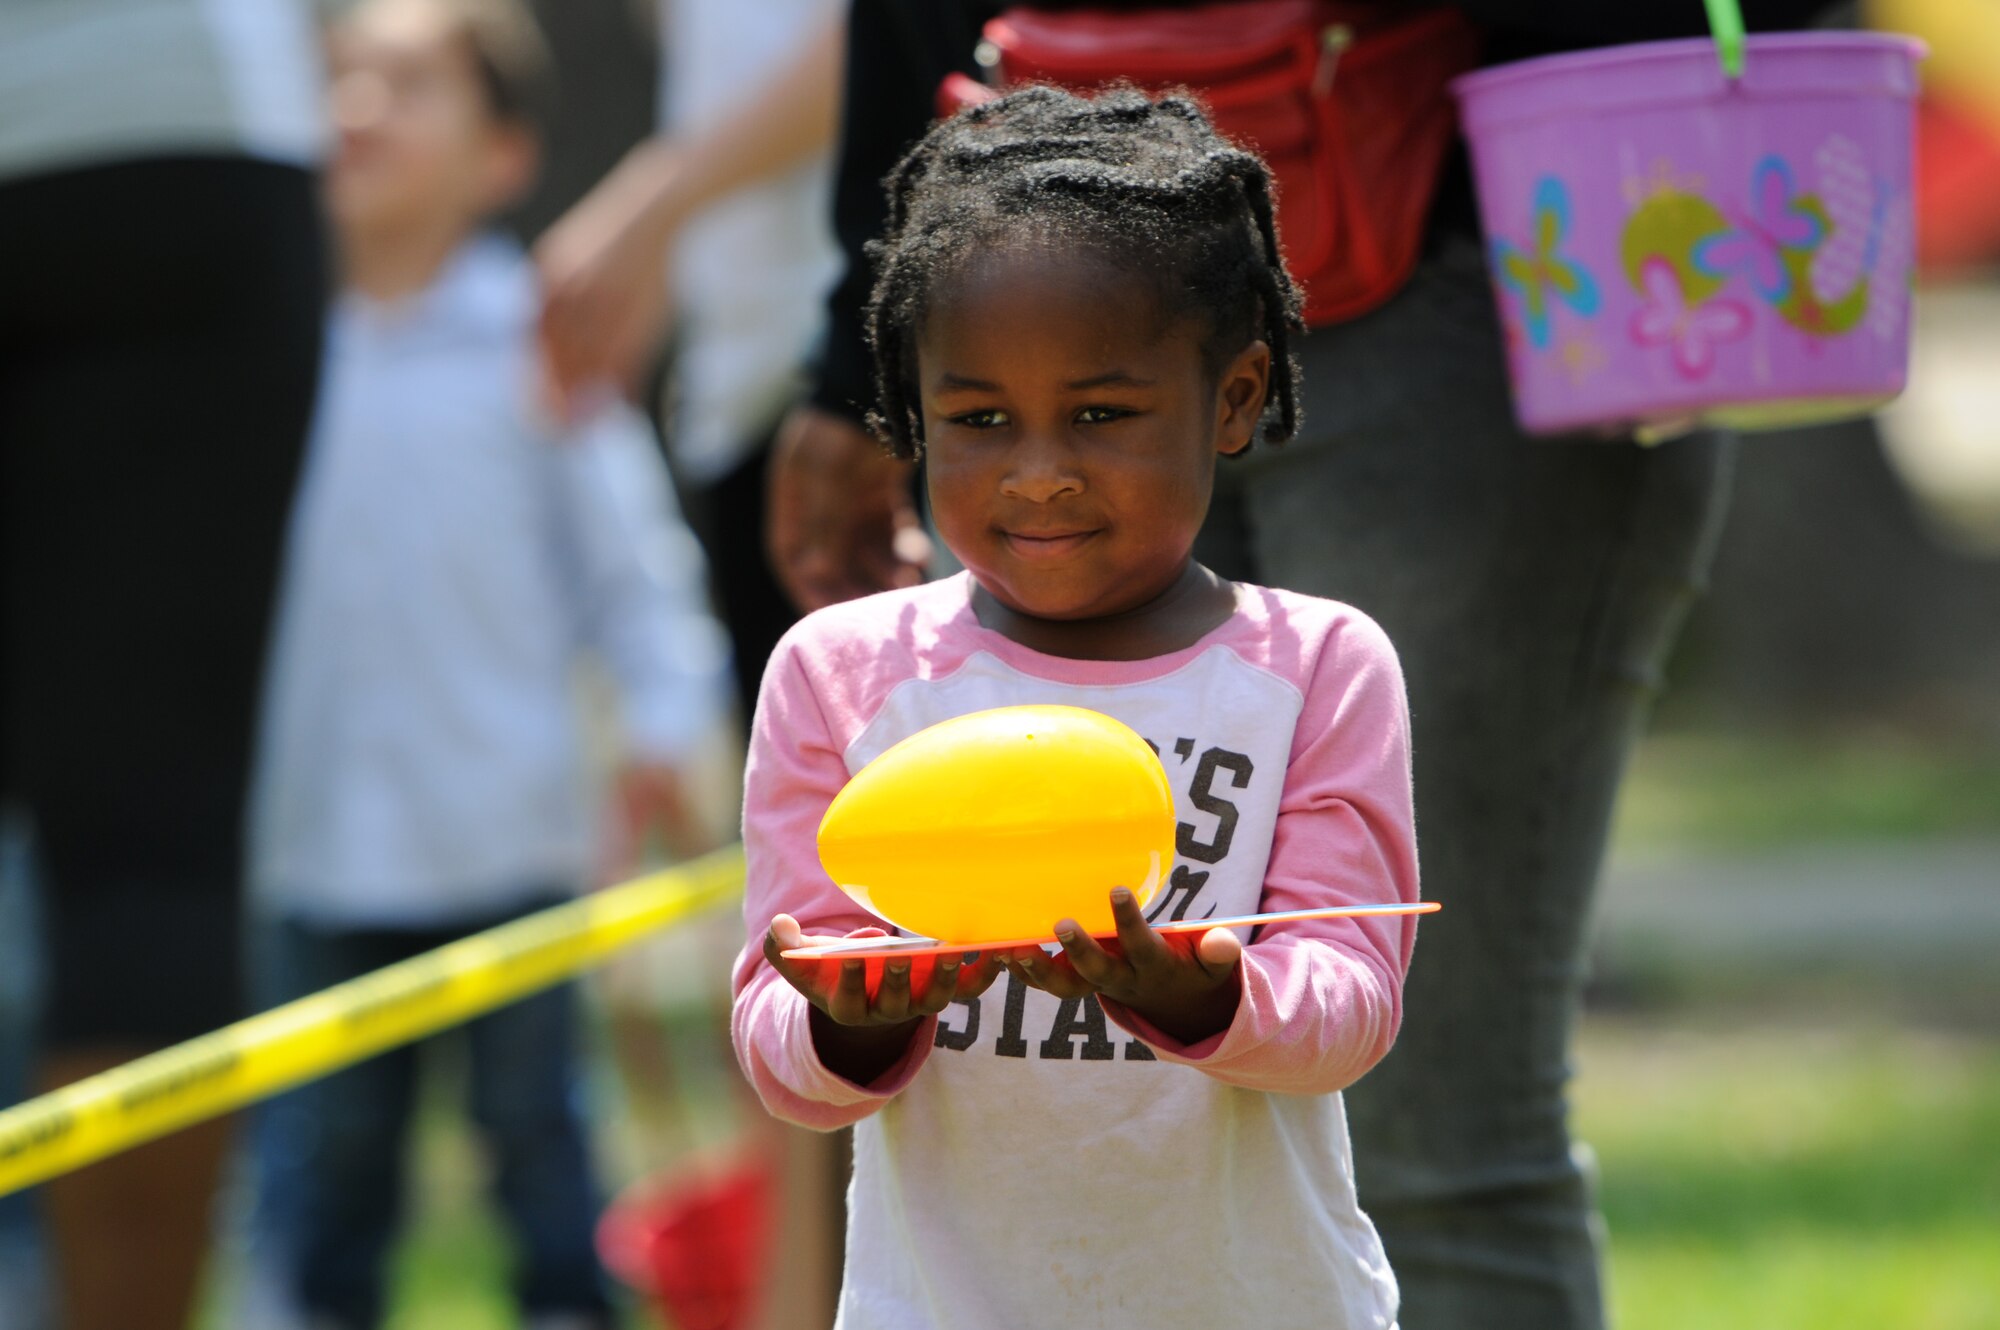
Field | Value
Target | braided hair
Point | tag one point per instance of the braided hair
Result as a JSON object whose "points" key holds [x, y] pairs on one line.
{"points": [[1146, 185]]}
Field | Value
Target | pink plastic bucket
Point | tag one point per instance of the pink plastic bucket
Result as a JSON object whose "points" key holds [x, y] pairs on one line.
{"points": [[1670, 245]]}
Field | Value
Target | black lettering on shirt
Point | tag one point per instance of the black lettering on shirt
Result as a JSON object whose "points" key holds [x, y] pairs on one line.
{"points": [[958, 1040], [1010, 1044], [1202, 795], [1182, 887], [1079, 1016]]}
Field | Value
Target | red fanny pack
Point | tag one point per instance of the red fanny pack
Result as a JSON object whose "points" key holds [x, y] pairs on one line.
{"points": [[1350, 106]]}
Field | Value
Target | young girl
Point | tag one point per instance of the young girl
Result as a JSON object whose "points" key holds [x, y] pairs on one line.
{"points": [[1080, 304]]}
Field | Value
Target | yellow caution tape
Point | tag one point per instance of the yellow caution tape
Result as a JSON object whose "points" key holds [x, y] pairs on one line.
{"points": [[258, 1057]]}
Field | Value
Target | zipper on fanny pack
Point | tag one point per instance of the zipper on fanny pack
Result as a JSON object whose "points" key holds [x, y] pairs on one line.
{"points": [[1334, 39], [987, 56]]}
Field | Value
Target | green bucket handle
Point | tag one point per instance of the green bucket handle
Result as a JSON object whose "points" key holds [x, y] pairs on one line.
{"points": [[1725, 22]]}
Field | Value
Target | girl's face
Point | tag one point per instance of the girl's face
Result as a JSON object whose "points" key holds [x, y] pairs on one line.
{"points": [[1071, 431]]}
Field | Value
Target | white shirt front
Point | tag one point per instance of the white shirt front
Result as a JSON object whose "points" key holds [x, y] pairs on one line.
{"points": [[451, 561]]}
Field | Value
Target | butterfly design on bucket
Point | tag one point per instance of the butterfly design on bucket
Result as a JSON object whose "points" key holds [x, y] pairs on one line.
{"points": [[1774, 224], [1543, 274], [1690, 331], [1854, 204], [1889, 283]]}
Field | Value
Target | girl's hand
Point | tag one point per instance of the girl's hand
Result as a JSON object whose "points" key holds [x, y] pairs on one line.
{"points": [[1187, 988], [862, 1023]]}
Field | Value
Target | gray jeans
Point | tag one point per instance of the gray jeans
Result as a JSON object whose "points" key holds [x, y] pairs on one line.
{"points": [[1532, 590]]}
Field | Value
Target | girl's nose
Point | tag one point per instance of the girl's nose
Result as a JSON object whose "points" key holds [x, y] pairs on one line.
{"points": [[1040, 470]]}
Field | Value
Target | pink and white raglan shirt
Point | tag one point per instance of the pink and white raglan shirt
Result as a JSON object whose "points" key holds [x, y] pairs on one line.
{"points": [[1035, 1162]]}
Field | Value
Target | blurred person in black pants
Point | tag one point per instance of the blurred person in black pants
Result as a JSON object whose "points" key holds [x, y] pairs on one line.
{"points": [[161, 292]]}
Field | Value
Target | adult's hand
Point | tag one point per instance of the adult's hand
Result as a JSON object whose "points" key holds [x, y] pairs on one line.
{"points": [[603, 264], [840, 520]]}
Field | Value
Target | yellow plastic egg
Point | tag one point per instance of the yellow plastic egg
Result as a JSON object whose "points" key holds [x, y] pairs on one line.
{"points": [[996, 825]]}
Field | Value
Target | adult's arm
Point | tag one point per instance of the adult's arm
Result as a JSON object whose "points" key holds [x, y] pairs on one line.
{"points": [[898, 51], [840, 520], [603, 263]]}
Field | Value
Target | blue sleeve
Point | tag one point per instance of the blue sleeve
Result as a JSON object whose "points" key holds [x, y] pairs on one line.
{"points": [[640, 585]]}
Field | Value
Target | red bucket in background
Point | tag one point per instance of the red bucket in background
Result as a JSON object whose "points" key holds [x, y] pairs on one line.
{"points": [[698, 1244]]}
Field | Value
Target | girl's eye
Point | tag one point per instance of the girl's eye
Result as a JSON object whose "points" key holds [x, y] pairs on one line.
{"points": [[989, 419], [1102, 415]]}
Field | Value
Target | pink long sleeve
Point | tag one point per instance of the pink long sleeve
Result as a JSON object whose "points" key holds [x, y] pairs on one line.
{"points": [[1322, 1000], [794, 771]]}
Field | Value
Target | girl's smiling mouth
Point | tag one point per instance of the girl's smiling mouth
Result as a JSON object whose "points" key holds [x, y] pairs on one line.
{"points": [[1046, 545]]}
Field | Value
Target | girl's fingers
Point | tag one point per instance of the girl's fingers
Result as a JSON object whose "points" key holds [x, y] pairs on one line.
{"points": [[848, 1002], [784, 934], [1143, 948], [1038, 970], [1091, 962], [1218, 951], [943, 986], [977, 976], [785, 931], [892, 1000]]}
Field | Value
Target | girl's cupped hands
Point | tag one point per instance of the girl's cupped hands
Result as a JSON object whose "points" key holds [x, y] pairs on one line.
{"points": [[1186, 984]]}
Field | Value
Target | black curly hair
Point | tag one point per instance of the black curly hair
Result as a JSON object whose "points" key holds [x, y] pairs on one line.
{"points": [[1145, 184]]}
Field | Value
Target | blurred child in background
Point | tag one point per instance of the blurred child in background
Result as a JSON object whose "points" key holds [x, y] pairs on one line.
{"points": [[453, 557]]}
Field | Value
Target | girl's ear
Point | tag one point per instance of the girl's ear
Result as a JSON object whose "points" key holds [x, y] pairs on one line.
{"points": [[1239, 398]]}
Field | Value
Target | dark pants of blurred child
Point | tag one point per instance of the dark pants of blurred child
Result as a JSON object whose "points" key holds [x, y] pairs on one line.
{"points": [[331, 1155], [1532, 589], [24, 1290]]}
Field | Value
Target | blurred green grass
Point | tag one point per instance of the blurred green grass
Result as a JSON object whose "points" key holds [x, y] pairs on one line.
{"points": [[1755, 1179], [1758, 792], [1752, 1179]]}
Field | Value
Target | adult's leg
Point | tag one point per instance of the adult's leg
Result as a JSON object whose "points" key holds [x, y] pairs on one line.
{"points": [[157, 364], [527, 1097], [1532, 590], [727, 516]]}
